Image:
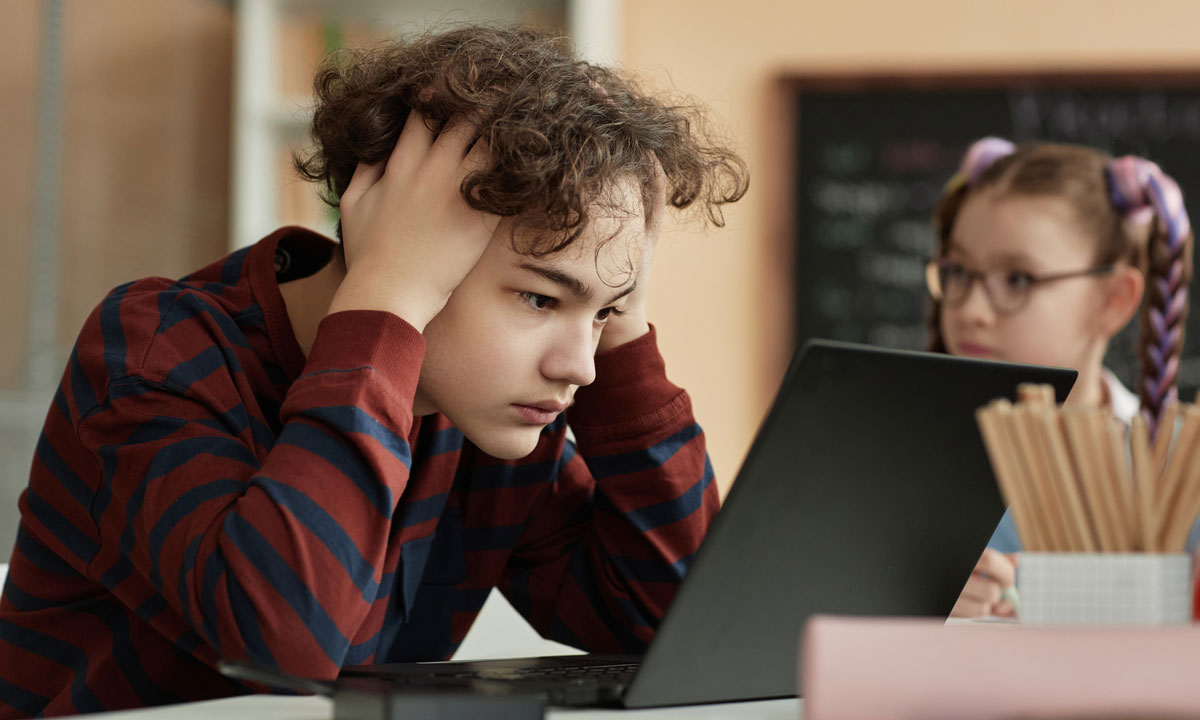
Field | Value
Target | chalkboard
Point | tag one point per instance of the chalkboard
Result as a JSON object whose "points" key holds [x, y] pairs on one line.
{"points": [[873, 153]]}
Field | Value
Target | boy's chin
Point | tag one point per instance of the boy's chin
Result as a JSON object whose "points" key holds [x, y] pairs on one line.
{"points": [[507, 444]]}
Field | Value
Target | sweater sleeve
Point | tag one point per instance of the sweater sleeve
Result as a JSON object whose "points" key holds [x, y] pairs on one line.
{"points": [[602, 558], [267, 548]]}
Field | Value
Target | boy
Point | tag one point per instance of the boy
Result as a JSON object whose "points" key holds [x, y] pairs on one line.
{"points": [[310, 455]]}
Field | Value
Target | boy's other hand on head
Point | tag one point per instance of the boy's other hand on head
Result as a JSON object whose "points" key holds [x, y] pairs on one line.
{"points": [[984, 593], [632, 322], [410, 237]]}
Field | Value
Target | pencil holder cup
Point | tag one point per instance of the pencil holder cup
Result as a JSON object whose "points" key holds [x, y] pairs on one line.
{"points": [[1105, 588]]}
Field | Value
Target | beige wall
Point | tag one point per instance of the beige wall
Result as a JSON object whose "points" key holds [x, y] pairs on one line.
{"points": [[142, 176], [145, 133], [721, 299], [18, 139]]}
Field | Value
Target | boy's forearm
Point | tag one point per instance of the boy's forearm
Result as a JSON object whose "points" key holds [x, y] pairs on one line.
{"points": [[352, 346], [629, 401], [654, 496]]}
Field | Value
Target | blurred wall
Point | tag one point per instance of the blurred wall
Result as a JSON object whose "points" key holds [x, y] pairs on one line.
{"points": [[721, 299], [145, 172], [140, 186], [18, 88]]}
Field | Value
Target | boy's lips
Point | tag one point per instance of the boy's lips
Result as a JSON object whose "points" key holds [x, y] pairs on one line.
{"points": [[542, 412]]}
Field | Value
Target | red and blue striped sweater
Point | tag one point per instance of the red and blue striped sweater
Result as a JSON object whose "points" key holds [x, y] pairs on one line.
{"points": [[201, 490]]}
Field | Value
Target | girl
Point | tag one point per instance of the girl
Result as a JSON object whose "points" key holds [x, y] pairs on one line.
{"points": [[1045, 252]]}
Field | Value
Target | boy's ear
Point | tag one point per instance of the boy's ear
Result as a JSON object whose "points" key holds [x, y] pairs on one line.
{"points": [[1123, 297]]}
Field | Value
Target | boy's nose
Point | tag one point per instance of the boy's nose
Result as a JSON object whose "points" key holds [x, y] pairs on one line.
{"points": [[571, 358]]}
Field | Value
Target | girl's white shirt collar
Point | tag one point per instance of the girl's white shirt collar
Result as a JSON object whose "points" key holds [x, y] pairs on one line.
{"points": [[1124, 403]]}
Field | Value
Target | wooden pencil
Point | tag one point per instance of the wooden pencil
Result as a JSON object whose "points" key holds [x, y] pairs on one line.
{"points": [[1122, 477], [1177, 465], [1007, 471], [1040, 518], [1062, 536], [1163, 436], [1036, 394], [1179, 486], [1107, 478], [1065, 478], [1087, 457], [1143, 469], [1186, 510], [1177, 524], [1075, 479]]}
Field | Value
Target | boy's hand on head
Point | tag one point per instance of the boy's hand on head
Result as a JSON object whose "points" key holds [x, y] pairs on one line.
{"points": [[984, 593], [631, 324], [410, 237]]}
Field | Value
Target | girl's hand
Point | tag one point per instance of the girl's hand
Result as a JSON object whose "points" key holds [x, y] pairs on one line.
{"points": [[410, 237], [984, 593]]}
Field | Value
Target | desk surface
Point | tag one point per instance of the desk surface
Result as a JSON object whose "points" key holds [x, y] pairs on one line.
{"points": [[275, 707]]}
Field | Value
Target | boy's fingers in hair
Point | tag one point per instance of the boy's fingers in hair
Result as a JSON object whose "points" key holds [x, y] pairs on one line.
{"points": [[413, 144], [998, 567], [456, 137], [365, 175], [658, 182], [477, 160], [658, 195]]}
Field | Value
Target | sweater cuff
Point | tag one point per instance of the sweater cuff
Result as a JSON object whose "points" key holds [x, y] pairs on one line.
{"points": [[370, 339], [631, 395]]}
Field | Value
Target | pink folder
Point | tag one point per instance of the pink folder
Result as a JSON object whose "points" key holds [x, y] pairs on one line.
{"points": [[917, 668]]}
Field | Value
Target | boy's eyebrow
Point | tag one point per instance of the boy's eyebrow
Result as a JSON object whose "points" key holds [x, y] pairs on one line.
{"points": [[571, 283]]}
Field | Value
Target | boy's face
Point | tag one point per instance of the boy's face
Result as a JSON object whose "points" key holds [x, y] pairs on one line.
{"points": [[517, 338]]}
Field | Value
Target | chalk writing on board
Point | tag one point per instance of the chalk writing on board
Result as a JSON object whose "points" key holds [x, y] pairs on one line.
{"points": [[1145, 117]]}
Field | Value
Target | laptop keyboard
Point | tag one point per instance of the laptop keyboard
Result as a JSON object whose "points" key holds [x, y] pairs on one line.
{"points": [[600, 673], [567, 680]]}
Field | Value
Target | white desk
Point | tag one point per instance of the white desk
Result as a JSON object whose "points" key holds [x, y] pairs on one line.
{"points": [[273, 707], [504, 639]]}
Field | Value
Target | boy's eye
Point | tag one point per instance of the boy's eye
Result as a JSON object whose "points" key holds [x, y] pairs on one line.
{"points": [[608, 312], [538, 302]]}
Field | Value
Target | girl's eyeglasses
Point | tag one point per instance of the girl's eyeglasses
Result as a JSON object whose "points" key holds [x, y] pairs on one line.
{"points": [[1007, 290]]}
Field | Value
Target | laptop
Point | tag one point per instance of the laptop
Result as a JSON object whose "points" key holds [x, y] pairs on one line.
{"points": [[867, 491]]}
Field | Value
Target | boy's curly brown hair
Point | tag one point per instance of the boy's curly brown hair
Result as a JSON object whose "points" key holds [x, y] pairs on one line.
{"points": [[562, 131]]}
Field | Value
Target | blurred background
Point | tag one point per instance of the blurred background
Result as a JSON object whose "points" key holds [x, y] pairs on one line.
{"points": [[147, 138]]}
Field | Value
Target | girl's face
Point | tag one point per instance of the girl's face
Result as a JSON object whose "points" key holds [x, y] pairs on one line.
{"points": [[1017, 238]]}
